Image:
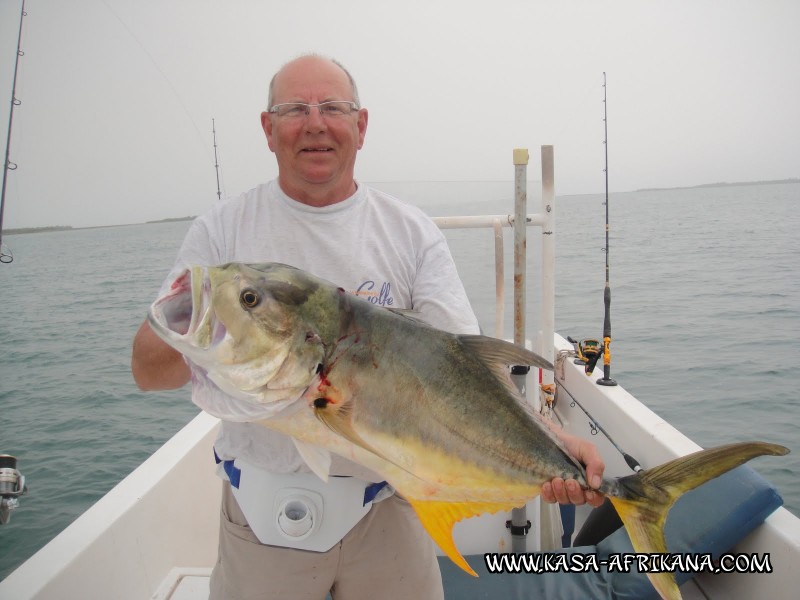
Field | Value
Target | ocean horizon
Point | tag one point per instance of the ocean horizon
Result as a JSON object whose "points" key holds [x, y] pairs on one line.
{"points": [[378, 184]]}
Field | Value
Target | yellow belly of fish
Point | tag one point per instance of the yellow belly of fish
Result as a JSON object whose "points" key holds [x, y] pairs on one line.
{"points": [[444, 489], [438, 475]]}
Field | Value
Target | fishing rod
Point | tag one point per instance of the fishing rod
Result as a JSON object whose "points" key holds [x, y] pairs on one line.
{"points": [[606, 378], [216, 160], [595, 426], [7, 164], [588, 351]]}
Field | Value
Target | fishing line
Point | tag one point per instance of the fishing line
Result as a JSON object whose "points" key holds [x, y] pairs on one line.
{"points": [[163, 75]]}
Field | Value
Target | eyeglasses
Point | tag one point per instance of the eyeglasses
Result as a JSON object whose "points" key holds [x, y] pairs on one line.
{"points": [[332, 108]]}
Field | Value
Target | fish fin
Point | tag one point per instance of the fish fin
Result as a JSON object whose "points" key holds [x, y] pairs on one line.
{"points": [[338, 420], [318, 459], [496, 356], [646, 497], [494, 351], [438, 519]]}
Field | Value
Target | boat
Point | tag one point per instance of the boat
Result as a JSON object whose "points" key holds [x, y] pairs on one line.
{"points": [[154, 535]]}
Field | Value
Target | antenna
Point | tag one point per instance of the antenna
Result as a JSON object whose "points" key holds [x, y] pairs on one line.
{"points": [[606, 378]]}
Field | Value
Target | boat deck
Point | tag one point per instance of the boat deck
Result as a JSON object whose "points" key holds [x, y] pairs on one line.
{"points": [[184, 584]]}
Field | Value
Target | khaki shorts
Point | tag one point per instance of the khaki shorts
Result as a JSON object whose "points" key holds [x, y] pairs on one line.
{"points": [[386, 556]]}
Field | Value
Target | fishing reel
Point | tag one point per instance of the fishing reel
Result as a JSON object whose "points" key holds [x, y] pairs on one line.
{"points": [[12, 486], [587, 353]]}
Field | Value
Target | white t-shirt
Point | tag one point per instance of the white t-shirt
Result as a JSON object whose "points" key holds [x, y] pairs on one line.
{"points": [[371, 244]]}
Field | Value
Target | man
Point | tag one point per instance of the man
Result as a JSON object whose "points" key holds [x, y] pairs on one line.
{"points": [[315, 216]]}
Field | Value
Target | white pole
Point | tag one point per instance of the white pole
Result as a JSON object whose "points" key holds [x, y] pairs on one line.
{"points": [[478, 221], [548, 260], [499, 283], [519, 517], [520, 241], [549, 514]]}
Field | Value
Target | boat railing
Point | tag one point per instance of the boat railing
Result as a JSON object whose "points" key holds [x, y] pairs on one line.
{"points": [[519, 222]]}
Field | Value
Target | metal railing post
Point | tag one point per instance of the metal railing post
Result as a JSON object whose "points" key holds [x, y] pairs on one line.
{"points": [[519, 524], [548, 261]]}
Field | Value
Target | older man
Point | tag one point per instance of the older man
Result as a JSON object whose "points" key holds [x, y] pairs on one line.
{"points": [[317, 217]]}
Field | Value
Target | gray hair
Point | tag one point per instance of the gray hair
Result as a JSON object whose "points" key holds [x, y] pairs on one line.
{"points": [[270, 98]]}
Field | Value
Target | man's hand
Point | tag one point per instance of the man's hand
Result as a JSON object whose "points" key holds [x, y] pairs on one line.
{"points": [[570, 492], [155, 364]]}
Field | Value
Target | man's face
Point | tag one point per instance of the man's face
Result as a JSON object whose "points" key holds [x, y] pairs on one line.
{"points": [[316, 155]]}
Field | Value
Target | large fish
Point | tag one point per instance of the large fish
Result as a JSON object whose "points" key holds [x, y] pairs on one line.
{"points": [[435, 414]]}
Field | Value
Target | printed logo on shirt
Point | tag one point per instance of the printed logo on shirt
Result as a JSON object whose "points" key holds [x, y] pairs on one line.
{"points": [[381, 296]]}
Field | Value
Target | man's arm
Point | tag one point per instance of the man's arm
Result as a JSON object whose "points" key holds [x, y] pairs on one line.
{"points": [[156, 365]]}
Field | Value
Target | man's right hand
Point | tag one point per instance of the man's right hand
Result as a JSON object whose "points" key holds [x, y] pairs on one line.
{"points": [[156, 365]]}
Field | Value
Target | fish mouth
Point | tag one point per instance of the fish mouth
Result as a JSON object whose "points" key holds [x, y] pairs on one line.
{"points": [[184, 315]]}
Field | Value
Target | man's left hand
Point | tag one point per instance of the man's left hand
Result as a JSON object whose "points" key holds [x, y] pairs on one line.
{"points": [[570, 491]]}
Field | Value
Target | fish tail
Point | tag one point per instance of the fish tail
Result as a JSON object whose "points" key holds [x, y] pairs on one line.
{"points": [[646, 497]]}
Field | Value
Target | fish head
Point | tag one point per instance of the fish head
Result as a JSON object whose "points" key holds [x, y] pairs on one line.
{"points": [[243, 327]]}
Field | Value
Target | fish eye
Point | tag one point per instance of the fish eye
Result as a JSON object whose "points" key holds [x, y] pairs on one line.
{"points": [[249, 298]]}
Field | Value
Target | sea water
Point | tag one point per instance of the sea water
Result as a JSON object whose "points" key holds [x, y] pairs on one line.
{"points": [[705, 328]]}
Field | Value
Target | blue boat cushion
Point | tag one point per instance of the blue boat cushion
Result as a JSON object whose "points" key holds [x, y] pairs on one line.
{"points": [[709, 519]]}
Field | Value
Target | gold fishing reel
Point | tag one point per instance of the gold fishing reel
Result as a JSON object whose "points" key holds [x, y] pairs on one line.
{"points": [[587, 353]]}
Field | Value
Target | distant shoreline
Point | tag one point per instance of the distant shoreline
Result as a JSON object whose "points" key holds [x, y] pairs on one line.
{"points": [[174, 219], [719, 184], [70, 228]]}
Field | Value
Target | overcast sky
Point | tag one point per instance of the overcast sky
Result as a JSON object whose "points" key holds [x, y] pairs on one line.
{"points": [[118, 95]]}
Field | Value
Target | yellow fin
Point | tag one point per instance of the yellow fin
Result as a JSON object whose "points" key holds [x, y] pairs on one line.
{"points": [[648, 496], [645, 526], [438, 518]]}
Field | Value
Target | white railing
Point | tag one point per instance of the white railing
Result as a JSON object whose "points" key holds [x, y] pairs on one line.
{"points": [[520, 221], [546, 221]]}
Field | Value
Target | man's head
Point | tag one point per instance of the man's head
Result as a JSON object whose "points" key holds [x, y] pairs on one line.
{"points": [[354, 91], [316, 154]]}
